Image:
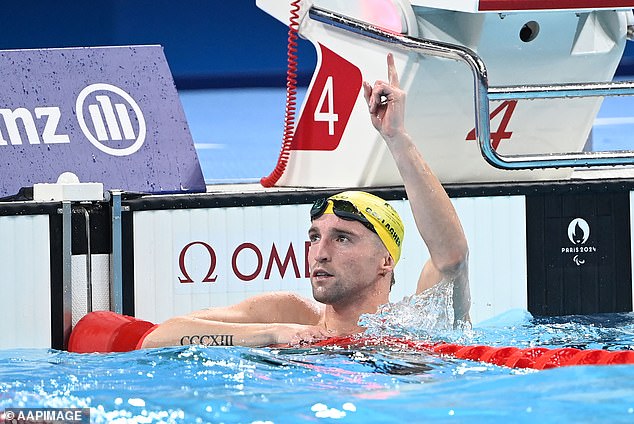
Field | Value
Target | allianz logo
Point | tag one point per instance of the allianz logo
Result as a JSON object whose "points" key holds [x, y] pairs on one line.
{"points": [[107, 124]]}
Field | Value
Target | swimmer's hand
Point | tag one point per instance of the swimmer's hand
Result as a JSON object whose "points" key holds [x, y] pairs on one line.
{"points": [[386, 103], [299, 334]]}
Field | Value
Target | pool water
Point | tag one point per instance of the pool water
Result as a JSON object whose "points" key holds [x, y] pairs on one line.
{"points": [[372, 384]]}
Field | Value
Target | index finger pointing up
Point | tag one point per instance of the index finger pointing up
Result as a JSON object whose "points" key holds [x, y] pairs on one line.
{"points": [[391, 71]]}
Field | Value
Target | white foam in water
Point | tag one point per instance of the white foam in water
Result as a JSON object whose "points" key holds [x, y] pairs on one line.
{"points": [[426, 315]]}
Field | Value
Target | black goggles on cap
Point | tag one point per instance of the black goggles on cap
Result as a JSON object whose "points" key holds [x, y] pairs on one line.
{"points": [[342, 209]]}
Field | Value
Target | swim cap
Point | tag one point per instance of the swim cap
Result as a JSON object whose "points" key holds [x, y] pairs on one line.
{"points": [[383, 217]]}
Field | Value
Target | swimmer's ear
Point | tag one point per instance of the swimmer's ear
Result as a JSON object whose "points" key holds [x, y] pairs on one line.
{"points": [[388, 264]]}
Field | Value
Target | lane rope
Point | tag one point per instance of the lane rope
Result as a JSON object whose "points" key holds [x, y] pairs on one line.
{"points": [[538, 358]]}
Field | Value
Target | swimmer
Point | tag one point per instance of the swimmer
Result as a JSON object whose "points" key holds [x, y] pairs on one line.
{"points": [[355, 243]]}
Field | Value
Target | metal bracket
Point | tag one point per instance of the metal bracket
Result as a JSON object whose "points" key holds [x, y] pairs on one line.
{"points": [[483, 94], [67, 212], [116, 265]]}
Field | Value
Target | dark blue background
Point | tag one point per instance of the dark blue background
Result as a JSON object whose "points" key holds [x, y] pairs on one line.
{"points": [[208, 43]]}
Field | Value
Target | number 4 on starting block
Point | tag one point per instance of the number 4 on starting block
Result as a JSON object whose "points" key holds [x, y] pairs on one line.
{"points": [[500, 134], [329, 104]]}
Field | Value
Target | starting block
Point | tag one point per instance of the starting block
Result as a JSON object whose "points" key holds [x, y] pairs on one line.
{"points": [[519, 43]]}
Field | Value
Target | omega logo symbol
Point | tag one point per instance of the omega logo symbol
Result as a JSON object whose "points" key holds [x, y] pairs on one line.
{"points": [[111, 122], [186, 279], [248, 262]]}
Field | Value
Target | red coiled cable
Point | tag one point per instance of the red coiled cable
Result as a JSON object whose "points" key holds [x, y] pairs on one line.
{"points": [[291, 96]]}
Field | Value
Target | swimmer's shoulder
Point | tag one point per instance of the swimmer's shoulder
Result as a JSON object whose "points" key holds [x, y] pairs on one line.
{"points": [[271, 307], [285, 307]]}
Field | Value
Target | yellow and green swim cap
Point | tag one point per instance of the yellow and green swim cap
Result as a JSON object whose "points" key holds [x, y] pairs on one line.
{"points": [[366, 208]]}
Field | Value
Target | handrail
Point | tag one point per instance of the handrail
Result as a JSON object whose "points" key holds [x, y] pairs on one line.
{"points": [[483, 94], [116, 263]]}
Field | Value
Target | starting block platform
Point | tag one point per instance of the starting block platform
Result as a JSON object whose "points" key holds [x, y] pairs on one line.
{"points": [[514, 81]]}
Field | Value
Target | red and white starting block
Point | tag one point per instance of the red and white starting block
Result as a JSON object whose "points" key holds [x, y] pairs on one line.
{"points": [[535, 70]]}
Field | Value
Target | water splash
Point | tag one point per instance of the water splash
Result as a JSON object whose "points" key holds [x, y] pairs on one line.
{"points": [[425, 316]]}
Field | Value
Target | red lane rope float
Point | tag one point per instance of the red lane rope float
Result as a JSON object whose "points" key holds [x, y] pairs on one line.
{"points": [[513, 357], [291, 96]]}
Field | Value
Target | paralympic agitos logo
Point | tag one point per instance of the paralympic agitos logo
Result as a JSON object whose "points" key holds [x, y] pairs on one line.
{"points": [[107, 115]]}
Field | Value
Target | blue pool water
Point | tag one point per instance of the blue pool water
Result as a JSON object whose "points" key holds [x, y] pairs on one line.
{"points": [[363, 385]]}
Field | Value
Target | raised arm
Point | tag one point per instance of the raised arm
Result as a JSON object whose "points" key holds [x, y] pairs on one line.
{"points": [[434, 214]]}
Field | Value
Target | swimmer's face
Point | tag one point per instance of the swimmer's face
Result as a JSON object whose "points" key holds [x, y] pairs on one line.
{"points": [[345, 258]]}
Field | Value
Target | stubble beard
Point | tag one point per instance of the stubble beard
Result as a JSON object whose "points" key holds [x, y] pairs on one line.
{"points": [[331, 294]]}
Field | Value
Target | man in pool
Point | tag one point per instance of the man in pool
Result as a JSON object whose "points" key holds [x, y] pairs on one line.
{"points": [[355, 243]]}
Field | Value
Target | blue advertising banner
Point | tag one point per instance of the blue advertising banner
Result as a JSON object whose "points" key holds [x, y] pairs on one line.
{"points": [[108, 114]]}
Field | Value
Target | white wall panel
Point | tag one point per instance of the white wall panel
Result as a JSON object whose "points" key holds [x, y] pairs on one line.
{"points": [[25, 315], [496, 232], [495, 228], [235, 235]]}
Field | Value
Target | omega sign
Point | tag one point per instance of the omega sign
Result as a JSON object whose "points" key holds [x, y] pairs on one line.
{"points": [[108, 117], [578, 235], [263, 262]]}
